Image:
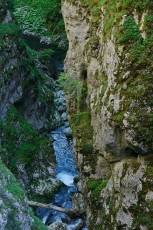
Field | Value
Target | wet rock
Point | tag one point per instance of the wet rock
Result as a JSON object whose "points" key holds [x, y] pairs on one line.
{"points": [[64, 116], [66, 124], [77, 225], [80, 186], [57, 226], [76, 179], [65, 219], [8, 17], [14, 91], [68, 132]]}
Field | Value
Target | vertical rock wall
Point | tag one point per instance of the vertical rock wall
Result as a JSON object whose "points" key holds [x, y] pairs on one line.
{"points": [[111, 116], [26, 108]]}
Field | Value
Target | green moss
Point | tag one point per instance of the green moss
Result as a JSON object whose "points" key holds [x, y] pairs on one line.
{"points": [[118, 117], [31, 143], [8, 29], [83, 131], [139, 83], [95, 186], [11, 184], [145, 219], [140, 5]]}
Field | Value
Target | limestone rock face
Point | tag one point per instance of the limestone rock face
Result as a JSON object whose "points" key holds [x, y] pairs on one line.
{"points": [[111, 117], [15, 213]]}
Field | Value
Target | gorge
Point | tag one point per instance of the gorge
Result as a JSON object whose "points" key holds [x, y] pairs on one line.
{"points": [[108, 85]]}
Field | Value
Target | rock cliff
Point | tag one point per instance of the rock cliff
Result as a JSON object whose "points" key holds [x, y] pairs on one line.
{"points": [[15, 213], [27, 109], [109, 56]]}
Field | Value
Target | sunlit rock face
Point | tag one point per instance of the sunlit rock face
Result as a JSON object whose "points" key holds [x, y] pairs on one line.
{"points": [[111, 113]]}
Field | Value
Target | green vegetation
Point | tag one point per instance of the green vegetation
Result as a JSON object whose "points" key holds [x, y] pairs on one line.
{"points": [[10, 29], [42, 84], [42, 18], [146, 219], [21, 142], [96, 186], [38, 225], [69, 83], [83, 131], [55, 24], [10, 184], [140, 81], [136, 57], [32, 15], [131, 32], [118, 117]]}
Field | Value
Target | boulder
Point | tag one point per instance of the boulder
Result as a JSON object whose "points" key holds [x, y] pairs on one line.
{"points": [[57, 226]]}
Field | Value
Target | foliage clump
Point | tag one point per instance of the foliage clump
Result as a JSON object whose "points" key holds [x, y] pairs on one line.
{"points": [[131, 32], [96, 185], [21, 141], [69, 83], [9, 29], [41, 18]]}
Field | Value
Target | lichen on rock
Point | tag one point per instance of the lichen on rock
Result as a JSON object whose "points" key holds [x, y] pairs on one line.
{"points": [[112, 40]]}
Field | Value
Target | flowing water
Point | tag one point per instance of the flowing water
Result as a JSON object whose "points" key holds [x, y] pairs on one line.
{"points": [[66, 171], [66, 168]]}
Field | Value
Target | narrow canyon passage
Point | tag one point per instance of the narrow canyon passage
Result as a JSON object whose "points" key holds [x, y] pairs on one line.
{"points": [[99, 52]]}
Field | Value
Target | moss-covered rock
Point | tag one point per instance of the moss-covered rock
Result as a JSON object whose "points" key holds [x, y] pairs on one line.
{"points": [[29, 155], [15, 213], [113, 40]]}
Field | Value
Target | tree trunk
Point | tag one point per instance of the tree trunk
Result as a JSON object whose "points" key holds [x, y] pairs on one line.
{"points": [[70, 212]]}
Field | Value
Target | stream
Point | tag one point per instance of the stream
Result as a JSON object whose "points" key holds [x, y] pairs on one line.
{"points": [[66, 171]]}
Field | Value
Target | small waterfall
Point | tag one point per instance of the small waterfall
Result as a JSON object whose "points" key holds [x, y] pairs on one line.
{"points": [[66, 171]]}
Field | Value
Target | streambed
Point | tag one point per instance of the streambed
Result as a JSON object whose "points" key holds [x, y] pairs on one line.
{"points": [[66, 171]]}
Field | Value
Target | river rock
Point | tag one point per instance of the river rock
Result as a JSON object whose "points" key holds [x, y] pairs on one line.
{"points": [[66, 124], [76, 179], [64, 116], [68, 132], [77, 225], [58, 226]]}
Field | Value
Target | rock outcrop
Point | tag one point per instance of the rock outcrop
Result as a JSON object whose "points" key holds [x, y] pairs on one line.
{"points": [[26, 110], [15, 213], [111, 114], [22, 84]]}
